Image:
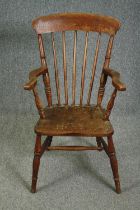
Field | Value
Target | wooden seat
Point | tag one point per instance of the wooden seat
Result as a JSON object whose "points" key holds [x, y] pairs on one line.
{"points": [[72, 120], [75, 115]]}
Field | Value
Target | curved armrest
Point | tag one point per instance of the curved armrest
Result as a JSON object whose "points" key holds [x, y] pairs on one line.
{"points": [[31, 84], [33, 77], [115, 79]]}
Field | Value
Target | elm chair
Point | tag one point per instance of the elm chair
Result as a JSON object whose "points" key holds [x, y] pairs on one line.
{"points": [[71, 118]]}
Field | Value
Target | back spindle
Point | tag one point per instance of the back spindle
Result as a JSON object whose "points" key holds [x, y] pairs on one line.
{"points": [[74, 68], [84, 68], [65, 67], [94, 68], [46, 78], [56, 69]]}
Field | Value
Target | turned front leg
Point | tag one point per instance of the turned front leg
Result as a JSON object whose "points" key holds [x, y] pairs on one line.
{"points": [[36, 163], [114, 163]]}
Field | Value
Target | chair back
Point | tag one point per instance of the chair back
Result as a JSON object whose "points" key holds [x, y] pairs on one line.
{"points": [[74, 22]]}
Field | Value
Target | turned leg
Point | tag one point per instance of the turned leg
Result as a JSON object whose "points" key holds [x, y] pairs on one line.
{"points": [[36, 162], [114, 163]]}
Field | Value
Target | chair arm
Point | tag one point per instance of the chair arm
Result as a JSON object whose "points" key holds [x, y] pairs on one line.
{"points": [[33, 77], [116, 82]]}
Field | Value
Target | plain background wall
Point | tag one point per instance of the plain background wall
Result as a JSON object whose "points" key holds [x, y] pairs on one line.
{"points": [[19, 48]]}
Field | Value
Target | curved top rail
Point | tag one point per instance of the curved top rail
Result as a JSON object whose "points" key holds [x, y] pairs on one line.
{"points": [[76, 21]]}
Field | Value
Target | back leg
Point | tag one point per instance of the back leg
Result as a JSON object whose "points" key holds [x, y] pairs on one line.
{"points": [[49, 140], [98, 141], [99, 144], [36, 163], [114, 163]]}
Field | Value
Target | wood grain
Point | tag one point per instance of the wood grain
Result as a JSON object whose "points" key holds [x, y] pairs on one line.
{"points": [[74, 121], [76, 21]]}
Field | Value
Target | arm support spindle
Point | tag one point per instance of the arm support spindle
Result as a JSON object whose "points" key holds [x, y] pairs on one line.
{"points": [[31, 85], [110, 104], [118, 85]]}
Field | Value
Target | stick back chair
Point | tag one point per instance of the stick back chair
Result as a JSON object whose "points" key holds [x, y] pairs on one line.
{"points": [[72, 119]]}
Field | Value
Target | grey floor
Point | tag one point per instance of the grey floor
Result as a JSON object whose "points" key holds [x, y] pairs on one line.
{"points": [[67, 180]]}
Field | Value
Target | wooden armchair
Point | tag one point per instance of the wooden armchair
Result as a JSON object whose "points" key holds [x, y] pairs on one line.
{"points": [[75, 119]]}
